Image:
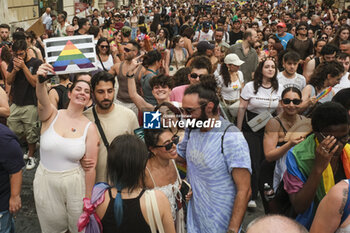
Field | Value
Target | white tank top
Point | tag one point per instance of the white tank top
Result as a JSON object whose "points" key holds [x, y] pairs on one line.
{"points": [[107, 64], [171, 191], [58, 153]]}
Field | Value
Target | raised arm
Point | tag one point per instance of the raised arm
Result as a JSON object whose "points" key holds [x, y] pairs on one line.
{"points": [[302, 199], [45, 108], [134, 96]]}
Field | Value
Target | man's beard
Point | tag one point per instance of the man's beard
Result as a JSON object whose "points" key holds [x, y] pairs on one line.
{"points": [[103, 106], [203, 117]]}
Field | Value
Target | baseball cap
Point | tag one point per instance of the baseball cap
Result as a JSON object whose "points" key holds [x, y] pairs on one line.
{"points": [[283, 25], [206, 24], [233, 59], [203, 46]]}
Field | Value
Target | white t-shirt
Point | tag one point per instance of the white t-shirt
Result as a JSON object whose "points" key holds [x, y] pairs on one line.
{"points": [[203, 36], [344, 83], [233, 90], [264, 99], [298, 81]]}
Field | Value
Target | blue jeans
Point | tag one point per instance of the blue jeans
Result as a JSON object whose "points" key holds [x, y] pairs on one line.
{"points": [[7, 225]]}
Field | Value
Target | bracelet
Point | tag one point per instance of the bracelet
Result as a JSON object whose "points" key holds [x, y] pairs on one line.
{"points": [[230, 231], [130, 76]]}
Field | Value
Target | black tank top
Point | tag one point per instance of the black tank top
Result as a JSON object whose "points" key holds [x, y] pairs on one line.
{"points": [[284, 131], [133, 220], [317, 61]]}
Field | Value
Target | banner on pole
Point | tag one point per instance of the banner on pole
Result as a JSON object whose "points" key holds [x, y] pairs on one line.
{"points": [[71, 54]]}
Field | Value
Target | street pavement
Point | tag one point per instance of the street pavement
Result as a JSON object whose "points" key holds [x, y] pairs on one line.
{"points": [[26, 220]]}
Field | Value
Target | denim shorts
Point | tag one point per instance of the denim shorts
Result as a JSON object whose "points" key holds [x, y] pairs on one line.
{"points": [[7, 224]]}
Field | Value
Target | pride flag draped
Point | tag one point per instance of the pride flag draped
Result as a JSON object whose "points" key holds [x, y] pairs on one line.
{"points": [[71, 54], [300, 161]]}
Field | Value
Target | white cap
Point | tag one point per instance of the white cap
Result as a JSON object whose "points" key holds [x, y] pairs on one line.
{"points": [[233, 59]]}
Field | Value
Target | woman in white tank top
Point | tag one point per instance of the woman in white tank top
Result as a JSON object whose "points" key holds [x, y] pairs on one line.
{"points": [[161, 172], [67, 136]]}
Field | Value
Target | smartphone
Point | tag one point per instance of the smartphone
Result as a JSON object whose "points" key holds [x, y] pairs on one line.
{"points": [[139, 132], [185, 188]]}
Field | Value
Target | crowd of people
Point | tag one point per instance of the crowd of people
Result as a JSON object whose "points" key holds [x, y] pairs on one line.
{"points": [[266, 85]]}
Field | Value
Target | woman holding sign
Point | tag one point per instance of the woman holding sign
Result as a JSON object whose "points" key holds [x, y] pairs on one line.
{"points": [[60, 183]]}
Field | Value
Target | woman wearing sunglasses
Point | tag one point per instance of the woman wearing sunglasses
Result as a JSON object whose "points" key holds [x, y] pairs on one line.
{"points": [[161, 171], [105, 59], [275, 144]]}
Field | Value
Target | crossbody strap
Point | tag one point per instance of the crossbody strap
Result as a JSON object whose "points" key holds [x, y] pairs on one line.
{"points": [[98, 124], [223, 136]]}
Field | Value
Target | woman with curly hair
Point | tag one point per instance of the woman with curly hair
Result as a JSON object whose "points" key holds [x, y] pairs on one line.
{"points": [[258, 96], [327, 74]]}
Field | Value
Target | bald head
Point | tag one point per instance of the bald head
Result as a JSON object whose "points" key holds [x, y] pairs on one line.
{"points": [[275, 224]]}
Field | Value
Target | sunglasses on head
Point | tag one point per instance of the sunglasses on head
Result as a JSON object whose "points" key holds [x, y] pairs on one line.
{"points": [[127, 49], [168, 146], [194, 75], [294, 101]]}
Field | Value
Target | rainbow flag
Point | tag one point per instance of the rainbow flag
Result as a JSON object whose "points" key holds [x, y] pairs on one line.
{"points": [[324, 93], [73, 54]]}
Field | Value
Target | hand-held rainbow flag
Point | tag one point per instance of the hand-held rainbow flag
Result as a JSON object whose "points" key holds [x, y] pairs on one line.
{"points": [[323, 93], [71, 54]]}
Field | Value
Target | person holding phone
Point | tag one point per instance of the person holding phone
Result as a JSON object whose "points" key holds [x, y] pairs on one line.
{"points": [[161, 171], [318, 162]]}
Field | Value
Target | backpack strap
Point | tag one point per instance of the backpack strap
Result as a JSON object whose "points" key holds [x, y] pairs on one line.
{"points": [[223, 136]]}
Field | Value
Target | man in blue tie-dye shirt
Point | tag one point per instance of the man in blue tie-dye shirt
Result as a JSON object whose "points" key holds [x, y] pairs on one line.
{"points": [[218, 168]]}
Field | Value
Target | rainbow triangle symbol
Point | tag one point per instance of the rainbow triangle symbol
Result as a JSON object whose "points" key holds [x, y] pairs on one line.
{"points": [[71, 55]]}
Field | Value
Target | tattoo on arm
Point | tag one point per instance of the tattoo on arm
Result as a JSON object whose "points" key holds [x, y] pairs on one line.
{"points": [[345, 198]]}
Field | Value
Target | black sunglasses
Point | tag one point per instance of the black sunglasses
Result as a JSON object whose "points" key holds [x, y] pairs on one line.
{"points": [[302, 28], [127, 49], [168, 146], [191, 110], [104, 46], [295, 101], [324, 38], [194, 75]]}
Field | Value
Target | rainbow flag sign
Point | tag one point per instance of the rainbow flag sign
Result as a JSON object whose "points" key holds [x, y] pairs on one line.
{"points": [[71, 54]]}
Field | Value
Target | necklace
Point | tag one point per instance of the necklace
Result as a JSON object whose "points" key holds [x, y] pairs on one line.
{"points": [[74, 130]]}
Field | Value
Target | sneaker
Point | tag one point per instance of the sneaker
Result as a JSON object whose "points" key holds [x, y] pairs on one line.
{"points": [[252, 204], [31, 163], [25, 156]]}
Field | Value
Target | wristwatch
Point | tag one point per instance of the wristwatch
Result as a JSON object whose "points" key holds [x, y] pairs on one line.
{"points": [[130, 75]]}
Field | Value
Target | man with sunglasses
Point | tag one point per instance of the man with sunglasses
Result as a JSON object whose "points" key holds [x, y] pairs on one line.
{"points": [[120, 71], [218, 164], [301, 44], [200, 66], [318, 162]]}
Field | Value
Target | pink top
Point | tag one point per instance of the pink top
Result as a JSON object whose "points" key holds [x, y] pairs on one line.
{"points": [[178, 93]]}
